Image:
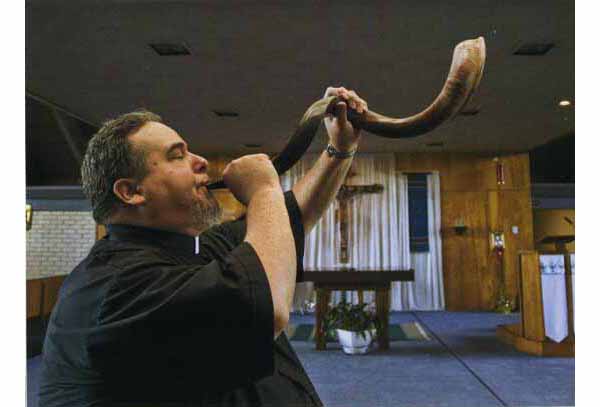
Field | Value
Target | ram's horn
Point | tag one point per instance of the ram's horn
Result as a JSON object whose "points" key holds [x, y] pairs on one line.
{"points": [[463, 79]]}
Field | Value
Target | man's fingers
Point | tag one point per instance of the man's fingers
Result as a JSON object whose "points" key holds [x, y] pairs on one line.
{"points": [[353, 94], [333, 91], [354, 101], [350, 96], [340, 114], [360, 102]]}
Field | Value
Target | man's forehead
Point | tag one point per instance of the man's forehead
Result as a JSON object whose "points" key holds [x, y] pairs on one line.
{"points": [[155, 136]]}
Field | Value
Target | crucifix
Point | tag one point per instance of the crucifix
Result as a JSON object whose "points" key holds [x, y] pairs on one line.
{"points": [[343, 215]]}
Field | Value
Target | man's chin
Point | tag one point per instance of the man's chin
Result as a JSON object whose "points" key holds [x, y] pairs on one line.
{"points": [[206, 213]]}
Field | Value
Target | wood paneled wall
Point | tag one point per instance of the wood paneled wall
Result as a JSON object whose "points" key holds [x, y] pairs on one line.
{"points": [[41, 295], [34, 297], [469, 191], [551, 222], [232, 208]]}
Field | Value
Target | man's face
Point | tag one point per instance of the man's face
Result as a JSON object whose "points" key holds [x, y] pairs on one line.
{"points": [[175, 184]]}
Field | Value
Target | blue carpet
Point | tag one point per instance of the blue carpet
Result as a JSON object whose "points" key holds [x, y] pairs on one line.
{"points": [[463, 365], [517, 378], [33, 368], [397, 332]]}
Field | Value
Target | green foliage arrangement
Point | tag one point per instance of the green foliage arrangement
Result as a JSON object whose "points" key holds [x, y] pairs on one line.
{"points": [[350, 317]]}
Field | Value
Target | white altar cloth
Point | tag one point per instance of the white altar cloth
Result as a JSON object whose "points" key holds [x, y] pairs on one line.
{"points": [[554, 295]]}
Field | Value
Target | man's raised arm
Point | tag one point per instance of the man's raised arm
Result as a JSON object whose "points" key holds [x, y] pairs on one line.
{"points": [[254, 182], [319, 186]]}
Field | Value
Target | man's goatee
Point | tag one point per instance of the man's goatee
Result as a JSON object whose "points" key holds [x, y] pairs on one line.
{"points": [[206, 213]]}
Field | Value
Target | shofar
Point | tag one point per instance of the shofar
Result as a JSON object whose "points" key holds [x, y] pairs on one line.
{"points": [[463, 79]]}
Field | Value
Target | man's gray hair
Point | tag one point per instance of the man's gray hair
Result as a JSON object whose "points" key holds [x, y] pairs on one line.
{"points": [[110, 156]]}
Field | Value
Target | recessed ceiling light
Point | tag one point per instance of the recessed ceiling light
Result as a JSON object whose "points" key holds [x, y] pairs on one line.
{"points": [[470, 112], [435, 144], [564, 103], [533, 48], [170, 49], [225, 113]]}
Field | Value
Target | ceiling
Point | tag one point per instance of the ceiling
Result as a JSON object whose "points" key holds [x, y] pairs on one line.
{"points": [[269, 61]]}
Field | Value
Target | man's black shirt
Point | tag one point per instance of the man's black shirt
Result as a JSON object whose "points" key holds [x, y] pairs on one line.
{"points": [[154, 318]]}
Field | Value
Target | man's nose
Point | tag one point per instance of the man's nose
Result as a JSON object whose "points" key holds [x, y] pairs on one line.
{"points": [[199, 164]]}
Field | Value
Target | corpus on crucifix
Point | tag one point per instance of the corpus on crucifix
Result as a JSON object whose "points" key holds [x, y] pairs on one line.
{"points": [[343, 213]]}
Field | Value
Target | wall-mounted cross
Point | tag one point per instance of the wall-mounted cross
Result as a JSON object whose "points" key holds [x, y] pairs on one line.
{"points": [[343, 214]]}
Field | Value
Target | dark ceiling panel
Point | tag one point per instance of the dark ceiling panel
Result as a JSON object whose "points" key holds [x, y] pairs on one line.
{"points": [[49, 158], [268, 61], [554, 162]]}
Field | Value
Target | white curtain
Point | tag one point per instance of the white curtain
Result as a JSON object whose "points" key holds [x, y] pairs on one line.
{"points": [[321, 243], [378, 235], [379, 238]]}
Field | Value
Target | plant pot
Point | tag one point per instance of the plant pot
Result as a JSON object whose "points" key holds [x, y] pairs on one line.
{"points": [[354, 343]]}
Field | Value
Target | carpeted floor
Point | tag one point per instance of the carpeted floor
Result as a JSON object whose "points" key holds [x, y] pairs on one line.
{"points": [[464, 365], [410, 331]]}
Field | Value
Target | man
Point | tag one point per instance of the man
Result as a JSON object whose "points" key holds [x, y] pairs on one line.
{"points": [[170, 308]]}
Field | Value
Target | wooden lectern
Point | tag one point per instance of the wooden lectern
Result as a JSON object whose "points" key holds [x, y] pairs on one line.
{"points": [[529, 335]]}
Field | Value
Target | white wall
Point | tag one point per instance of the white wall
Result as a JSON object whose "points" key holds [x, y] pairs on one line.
{"points": [[58, 241]]}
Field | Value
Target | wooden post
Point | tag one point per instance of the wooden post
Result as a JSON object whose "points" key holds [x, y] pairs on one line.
{"points": [[323, 296], [532, 312], [562, 247], [381, 304]]}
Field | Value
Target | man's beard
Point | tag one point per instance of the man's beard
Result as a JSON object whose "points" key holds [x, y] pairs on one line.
{"points": [[206, 213]]}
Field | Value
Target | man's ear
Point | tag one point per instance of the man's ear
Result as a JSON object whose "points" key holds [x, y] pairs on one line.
{"points": [[128, 191]]}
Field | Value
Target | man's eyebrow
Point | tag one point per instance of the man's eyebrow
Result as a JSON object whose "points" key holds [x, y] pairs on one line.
{"points": [[179, 145]]}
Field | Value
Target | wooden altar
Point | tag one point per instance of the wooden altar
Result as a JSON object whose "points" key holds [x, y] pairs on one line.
{"points": [[529, 335], [326, 281]]}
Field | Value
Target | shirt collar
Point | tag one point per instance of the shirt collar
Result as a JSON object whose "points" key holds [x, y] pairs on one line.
{"points": [[173, 241]]}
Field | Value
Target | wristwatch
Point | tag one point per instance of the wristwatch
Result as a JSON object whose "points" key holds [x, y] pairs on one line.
{"points": [[332, 152]]}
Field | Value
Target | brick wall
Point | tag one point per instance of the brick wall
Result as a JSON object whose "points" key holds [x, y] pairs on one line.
{"points": [[58, 241]]}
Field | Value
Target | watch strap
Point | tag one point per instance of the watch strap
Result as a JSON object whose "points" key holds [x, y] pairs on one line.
{"points": [[332, 152]]}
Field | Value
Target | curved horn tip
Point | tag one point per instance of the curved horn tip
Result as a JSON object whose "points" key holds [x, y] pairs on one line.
{"points": [[480, 41], [472, 44]]}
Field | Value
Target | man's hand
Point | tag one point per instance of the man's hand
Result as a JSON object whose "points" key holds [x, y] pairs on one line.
{"points": [[342, 135], [250, 174]]}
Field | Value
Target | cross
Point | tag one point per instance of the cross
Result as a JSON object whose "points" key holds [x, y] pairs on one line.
{"points": [[344, 195]]}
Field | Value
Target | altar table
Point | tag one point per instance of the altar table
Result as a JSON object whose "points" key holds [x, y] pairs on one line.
{"points": [[326, 281]]}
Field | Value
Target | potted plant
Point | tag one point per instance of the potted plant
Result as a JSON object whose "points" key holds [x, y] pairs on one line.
{"points": [[355, 326]]}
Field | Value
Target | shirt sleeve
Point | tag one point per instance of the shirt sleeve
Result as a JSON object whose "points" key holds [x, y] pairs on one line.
{"points": [[236, 231], [214, 322]]}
